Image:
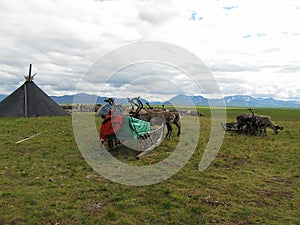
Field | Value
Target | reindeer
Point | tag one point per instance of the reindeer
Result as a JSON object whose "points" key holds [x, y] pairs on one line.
{"points": [[255, 123], [247, 123], [260, 124], [264, 122], [136, 108], [167, 116]]}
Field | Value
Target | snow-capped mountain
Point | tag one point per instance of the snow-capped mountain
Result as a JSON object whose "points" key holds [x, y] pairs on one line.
{"points": [[234, 101]]}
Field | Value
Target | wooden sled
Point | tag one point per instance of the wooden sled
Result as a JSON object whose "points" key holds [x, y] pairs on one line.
{"points": [[137, 134], [230, 126]]}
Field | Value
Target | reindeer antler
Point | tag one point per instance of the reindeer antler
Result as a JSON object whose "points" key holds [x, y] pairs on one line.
{"points": [[251, 111], [148, 104], [253, 116], [140, 106], [132, 103], [110, 101]]}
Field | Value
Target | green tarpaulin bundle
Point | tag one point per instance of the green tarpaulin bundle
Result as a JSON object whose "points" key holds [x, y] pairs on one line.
{"points": [[133, 128]]}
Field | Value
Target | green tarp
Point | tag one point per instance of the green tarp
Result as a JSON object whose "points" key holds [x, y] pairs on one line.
{"points": [[138, 127], [133, 128]]}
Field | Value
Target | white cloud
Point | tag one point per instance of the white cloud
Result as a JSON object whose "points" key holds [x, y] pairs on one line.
{"points": [[252, 47]]}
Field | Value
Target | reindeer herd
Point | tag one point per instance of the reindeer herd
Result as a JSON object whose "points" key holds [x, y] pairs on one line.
{"points": [[247, 123], [252, 124]]}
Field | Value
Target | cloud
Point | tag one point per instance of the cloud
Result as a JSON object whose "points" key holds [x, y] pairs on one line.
{"points": [[272, 50], [289, 69], [58, 44], [156, 12], [241, 43], [234, 68]]}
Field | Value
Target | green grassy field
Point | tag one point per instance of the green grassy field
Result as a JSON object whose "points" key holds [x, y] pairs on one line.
{"points": [[253, 180]]}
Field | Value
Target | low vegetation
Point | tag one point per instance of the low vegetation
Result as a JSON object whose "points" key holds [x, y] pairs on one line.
{"points": [[253, 180]]}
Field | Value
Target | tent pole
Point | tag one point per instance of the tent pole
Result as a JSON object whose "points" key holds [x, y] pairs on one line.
{"points": [[25, 92], [30, 65]]}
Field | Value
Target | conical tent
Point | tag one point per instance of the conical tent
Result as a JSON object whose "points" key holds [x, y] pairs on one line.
{"points": [[29, 101]]}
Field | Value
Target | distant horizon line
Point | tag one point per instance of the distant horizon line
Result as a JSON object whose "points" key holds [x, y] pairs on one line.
{"points": [[197, 95], [224, 96]]}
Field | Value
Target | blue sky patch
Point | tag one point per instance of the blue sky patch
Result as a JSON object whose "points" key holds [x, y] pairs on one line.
{"points": [[230, 7], [247, 36], [260, 35]]}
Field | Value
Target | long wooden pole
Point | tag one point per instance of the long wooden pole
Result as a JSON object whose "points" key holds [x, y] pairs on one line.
{"points": [[29, 72], [25, 93], [25, 139]]}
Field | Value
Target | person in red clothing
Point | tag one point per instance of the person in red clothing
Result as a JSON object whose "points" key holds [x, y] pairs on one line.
{"points": [[110, 125]]}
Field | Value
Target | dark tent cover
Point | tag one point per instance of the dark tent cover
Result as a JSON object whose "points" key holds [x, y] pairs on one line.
{"points": [[30, 101]]}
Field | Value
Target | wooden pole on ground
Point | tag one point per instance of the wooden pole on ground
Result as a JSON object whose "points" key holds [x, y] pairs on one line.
{"points": [[25, 139]]}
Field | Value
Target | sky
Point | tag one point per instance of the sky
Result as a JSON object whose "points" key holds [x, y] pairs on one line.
{"points": [[249, 47]]}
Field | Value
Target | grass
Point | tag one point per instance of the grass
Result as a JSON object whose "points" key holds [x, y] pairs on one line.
{"points": [[253, 180]]}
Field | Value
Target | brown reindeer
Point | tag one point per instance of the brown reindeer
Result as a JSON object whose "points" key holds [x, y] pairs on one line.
{"points": [[261, 122], [253, 124], [264, 122], [168, 117], [247, 123]]}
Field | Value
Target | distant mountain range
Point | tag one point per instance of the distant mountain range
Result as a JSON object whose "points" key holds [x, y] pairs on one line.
{"points": [[236, 101], [230, 101]]}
